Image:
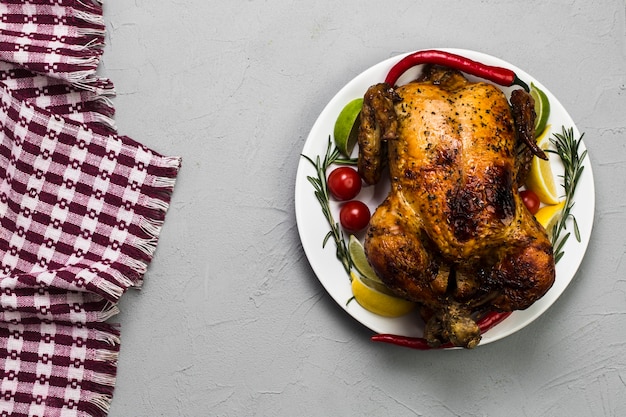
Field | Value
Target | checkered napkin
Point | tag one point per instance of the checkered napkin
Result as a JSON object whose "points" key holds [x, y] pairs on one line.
{"points": [[81, 209]]}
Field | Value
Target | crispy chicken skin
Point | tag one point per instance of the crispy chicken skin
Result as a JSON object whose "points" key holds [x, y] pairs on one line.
{"points": [[453, 233]]}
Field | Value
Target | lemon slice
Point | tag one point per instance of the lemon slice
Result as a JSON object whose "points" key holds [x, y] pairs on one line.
{"points": [[548, 216], [346, 129], [542, 109], [540, 178], [357, 254], [378, 302]]}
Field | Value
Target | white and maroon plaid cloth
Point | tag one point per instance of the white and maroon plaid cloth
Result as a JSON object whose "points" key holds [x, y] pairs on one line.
{"points": [[81, 208]]}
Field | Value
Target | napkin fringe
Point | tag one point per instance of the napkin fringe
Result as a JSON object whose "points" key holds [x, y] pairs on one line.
{"points": [[109, 335], [151, 213], [94, 3], [99, 405], [90, 15], [104, 120], [109, 310], [99, 388], [165, 182], [137, 267], [147, 246], [157, 204], [102, 90], [86, 81], [141, 249], [88, 19], [89, 11], [90, 26], [116, 289]]}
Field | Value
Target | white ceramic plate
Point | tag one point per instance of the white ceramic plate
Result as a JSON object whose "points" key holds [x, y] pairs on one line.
{"points": [[312, 225]]}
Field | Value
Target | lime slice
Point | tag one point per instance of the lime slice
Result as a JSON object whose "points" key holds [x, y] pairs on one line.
{"points": [[377, 302], [357, 254], [548, 216], [367, 274], [346, 129], [540, 177], [542, 109]]}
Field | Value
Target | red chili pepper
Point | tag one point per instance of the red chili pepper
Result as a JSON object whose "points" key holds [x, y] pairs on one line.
{"points": [[498, 75], [491, 319], [485, 323], [418, 343]]}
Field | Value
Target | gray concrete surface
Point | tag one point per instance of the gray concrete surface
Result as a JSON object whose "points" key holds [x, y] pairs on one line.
{"points": [[232, 321]]}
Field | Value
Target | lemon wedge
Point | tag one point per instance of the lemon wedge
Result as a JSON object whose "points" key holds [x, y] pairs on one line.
{"points": [[378, 302], [542, 109], [346, 129], [540, 178], [548, 216]]}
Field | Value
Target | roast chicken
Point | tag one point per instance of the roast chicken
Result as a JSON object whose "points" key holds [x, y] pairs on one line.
{"points": [[453, 234]]}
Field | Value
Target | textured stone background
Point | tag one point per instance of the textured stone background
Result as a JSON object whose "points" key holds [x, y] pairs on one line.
{"points": [[232, 321]]}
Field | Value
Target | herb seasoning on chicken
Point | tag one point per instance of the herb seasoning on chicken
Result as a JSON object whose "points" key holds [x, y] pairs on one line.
{"points": [[453, 234]]}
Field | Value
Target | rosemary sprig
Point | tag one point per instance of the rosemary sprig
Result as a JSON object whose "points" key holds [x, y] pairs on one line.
{"points": [[567, 148], [320, 185]]}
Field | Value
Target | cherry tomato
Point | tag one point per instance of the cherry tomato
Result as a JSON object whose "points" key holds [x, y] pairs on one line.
{"points": [[531, 201], [354, 216], [344, 183]]}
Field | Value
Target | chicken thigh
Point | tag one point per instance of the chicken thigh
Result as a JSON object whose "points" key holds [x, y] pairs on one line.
{"points": [[453, 234]]}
